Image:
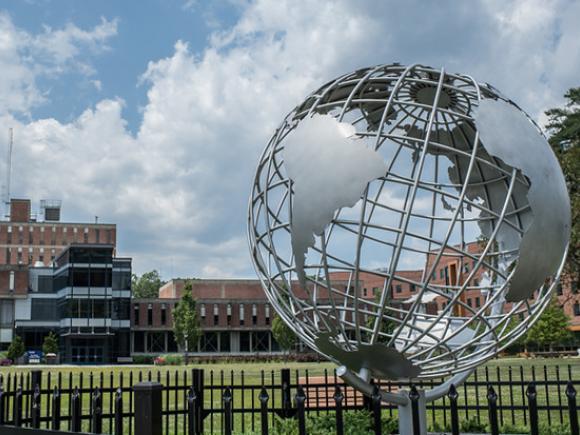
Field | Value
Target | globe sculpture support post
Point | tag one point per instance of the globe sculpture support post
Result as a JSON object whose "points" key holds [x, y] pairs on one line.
{"points": [[408, 224]]}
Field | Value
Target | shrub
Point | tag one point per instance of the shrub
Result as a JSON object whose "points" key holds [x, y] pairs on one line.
{"points": [[16, 348], [50, 344], [513, 429], [554, 429], [143, 359], [473, 426]]}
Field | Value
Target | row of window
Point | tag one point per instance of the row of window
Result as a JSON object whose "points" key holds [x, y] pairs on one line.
{"points": [[20, 237], [203, 314], [56, 309]]}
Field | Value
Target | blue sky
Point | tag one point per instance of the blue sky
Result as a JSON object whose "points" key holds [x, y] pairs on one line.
{"points": [[152, 114]]}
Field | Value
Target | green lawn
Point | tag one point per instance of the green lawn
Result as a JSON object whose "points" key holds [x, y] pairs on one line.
{"points": [[221, 375]]}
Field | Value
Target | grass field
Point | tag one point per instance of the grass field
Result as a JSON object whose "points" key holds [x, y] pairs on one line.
{"points": [[254, 375]]}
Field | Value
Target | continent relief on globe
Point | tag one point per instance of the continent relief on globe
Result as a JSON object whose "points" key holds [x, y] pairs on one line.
{"points": [[329, 169], [507, 134]]}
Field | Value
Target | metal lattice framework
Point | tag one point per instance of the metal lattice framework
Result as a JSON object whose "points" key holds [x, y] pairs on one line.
{"points": [[444, 199]]}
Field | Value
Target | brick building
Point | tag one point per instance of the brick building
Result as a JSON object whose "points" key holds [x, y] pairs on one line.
{"points": [[29, 240]]}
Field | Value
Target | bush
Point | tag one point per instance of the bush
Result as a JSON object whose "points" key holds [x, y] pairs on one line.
{"points": [[16, 348], [473, 426], [513, 429], [143, 359], [355, 423], [554, 429], [50, 344], [169, 360]]}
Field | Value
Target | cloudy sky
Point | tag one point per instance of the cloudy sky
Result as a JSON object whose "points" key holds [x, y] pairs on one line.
{"points": [[152, 114]]}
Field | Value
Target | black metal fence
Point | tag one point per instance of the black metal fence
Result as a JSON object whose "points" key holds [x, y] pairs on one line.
{"points": [[197, 401]]}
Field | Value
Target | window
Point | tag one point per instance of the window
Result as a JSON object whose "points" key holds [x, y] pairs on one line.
{"points": [[365, 292], [242, 315], [466, 267], [202, 311], [20, 235], [254, 315], [267, 313], [398, 288], [441, 273], [136, 314], [577, 309], [469, 302], [98, 235], [412, 288], [19, 255], [216, 316], [9, 235], [31, 235], [163, 314], [229, 314], [150, 315], [8, 255], [477, 302]]}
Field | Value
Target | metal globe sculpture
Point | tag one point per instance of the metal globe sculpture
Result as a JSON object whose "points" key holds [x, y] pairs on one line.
{"points": [[394, 176]]}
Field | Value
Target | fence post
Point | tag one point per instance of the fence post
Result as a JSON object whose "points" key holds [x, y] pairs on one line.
{"points": [[376, 407], [264, 410], [572, 411], [415, 418], [2, 405], [148, 408], [300, 408], [533, 408], [191, 411], [453, 395], [227, 399], [119, 411], [198, 386], [76, 411], [35, 407], [286, 396], [492, 409], [338, 398], [17, 407], [97, 412], [55, 409]]}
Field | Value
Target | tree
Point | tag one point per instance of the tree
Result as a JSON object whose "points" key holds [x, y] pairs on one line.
{"points": [[388, 326], [551, 328], [283, 334], [50, 344], [16, 348], [564, 128], [146, 286], [186, 327]]}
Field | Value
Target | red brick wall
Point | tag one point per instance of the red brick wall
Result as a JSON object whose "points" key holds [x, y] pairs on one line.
{"points": [[19, 210]]}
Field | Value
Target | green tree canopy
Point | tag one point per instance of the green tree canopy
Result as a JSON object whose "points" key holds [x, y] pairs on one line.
{"points": [[564, 128], [186, 327], [551, 328], [16, 348], [50, 344], [147, 285], [283, 335]]}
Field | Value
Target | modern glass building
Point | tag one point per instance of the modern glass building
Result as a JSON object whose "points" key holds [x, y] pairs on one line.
{"points": [[85, 297]]}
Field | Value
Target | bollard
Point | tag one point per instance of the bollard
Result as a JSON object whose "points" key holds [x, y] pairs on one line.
{"points": [[148, 408]]}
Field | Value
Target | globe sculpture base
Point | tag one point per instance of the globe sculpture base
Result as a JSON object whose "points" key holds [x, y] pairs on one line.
{"points": [[402, 400]]}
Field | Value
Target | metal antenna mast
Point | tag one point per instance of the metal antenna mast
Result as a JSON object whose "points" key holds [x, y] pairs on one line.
{"points": [[9, 168]]}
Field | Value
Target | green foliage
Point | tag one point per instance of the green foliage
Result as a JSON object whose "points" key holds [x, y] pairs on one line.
{"points": [[509, 428], [16, 348], [50, 344], [173, 359], [283, 334], [440, 427], [472, 426], [355, 423], [564, 127], [147, 285], [554, 429], [143, 359], [186, 327], [387, 325], [551, 328]]}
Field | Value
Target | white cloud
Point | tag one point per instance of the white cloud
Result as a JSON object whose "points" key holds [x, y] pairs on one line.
{"points": [[25, 57], [178, 188]]}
